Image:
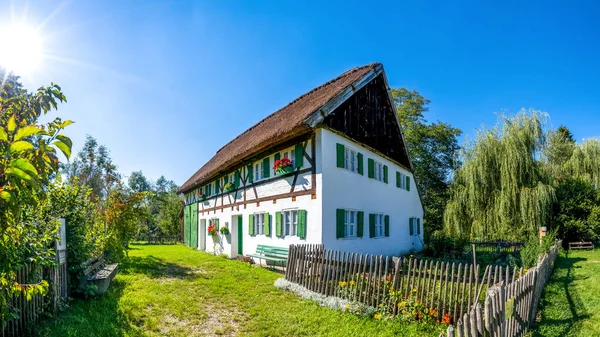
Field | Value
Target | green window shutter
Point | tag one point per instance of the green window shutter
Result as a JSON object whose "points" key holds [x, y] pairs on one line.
{"points": [[407, 183], [418, 226], [266, 168], [361, 224], [250, 177], [208, 189], [267, 224], [251, 224], [371, 168], [225, 179], [410, 226], [299, 154], [340, 156], [398, 177], [277, 156], [361, 170], [387, 225], [339, 228], [385, 174], [278, 228], [236, 179], [302, 224], [371, 225], [217, 186], [217, 223]]}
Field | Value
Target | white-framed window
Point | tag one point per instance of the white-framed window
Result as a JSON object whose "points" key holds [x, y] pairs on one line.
{"points": [[402, 181], [291, 155], [379, 225], [378, 171], [259, 223], [350, 224], [290, 222], [350, 160], [258, 171]]}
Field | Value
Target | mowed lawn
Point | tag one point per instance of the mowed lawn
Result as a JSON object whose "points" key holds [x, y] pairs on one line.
{"points": [[571, 303], [172, 290]]}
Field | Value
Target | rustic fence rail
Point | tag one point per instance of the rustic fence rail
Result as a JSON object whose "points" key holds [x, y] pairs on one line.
{"points": [[498, 247], [509, 309], [31, 310], [446, 287]]}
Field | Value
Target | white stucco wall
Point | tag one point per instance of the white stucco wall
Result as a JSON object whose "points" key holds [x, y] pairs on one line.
{"points": [[346, 190]]}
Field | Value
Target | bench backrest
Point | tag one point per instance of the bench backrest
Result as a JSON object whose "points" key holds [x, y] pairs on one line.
{"points": [[272, 251], [93, 265]]}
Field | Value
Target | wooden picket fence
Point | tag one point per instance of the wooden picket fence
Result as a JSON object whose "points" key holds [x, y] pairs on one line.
{"points": [[30, 311], [447, 287], [509, 309]]}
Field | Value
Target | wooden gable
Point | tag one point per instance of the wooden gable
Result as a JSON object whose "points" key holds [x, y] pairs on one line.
{"points": [[369, 118]]}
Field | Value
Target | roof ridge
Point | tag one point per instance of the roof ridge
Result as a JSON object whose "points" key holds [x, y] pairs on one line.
{"points": [[344, 74]]}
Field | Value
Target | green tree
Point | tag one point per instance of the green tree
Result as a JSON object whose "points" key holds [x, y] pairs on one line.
{"points": [[502, 190], [432, 148], [577, 210], [28, 162]]}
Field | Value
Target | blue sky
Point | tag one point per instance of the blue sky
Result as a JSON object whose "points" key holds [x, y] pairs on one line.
{"points": [[164, 84]]}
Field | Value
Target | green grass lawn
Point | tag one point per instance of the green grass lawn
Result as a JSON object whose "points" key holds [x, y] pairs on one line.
{"points": [[571, 303], [172, 290]]}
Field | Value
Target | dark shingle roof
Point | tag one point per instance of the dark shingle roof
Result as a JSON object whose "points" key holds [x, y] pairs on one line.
{"points": [[282, 125]]}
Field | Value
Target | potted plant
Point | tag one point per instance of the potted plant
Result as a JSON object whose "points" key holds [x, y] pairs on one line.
{"points": [[228, 187], [201, 196], [212, 230], [283, 166], [224, 230]]}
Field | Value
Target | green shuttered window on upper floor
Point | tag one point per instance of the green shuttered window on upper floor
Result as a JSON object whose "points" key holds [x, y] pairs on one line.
{"points": [[349, 159]]}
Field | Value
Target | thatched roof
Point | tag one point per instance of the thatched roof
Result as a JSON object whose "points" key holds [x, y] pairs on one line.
{"points": [[282, 125]]}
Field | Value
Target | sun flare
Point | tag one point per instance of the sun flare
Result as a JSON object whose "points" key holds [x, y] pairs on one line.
{"points": [[21, 48]]}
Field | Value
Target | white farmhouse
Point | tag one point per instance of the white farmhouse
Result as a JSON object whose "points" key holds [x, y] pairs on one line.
{"points": [[348, 185]]}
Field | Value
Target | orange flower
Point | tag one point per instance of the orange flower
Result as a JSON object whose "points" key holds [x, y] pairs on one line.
{"points": [[388, 278], [446, 319]]}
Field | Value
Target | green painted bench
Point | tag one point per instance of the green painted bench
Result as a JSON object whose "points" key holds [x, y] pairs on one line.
{"points": [[275, 255]]}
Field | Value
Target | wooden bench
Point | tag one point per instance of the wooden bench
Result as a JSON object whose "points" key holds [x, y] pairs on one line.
{"points": [[97, 272], [276, 255], [581, 245]]}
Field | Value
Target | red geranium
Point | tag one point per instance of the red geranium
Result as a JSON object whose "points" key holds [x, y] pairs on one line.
{"points": [[212, 230], [281, 164]]}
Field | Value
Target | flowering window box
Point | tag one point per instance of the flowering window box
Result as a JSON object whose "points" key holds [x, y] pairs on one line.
{"points": [[283, 166], [228, 187], [201, 197], [224, 230]]}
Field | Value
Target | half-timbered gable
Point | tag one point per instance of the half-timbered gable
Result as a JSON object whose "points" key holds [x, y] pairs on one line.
{"points": [[348, 183]]}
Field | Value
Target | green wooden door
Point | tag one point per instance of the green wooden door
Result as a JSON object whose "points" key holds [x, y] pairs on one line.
{"points": [[186, 225], [194, 225], [240, 231]]}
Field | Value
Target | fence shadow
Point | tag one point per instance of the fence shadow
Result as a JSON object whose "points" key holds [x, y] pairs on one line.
{"points": [[99, 316], [563, 276]]}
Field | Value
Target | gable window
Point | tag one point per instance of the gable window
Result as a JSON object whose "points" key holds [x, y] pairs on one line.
{"points": [[350, 160], [290, 222], [378, 171], [350, 224], [379, 225], [259, 223]]}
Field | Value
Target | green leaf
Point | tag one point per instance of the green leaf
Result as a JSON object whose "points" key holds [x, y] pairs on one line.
{"points": [[66, 150], [11, 124], [5, 195], [20, 146], [25, 165], [26, 132], [66, 123], [3, 135], [17, 173], [65, 140]]}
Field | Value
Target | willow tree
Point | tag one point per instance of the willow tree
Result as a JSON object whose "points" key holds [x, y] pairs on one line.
{"points": [[584, 163], [502, 190]]}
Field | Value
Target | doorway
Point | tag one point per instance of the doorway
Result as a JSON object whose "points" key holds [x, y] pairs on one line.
{"points": [[202, 235]]}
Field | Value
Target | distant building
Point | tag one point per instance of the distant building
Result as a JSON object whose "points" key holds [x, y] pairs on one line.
{"points": [[349, 184]]}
